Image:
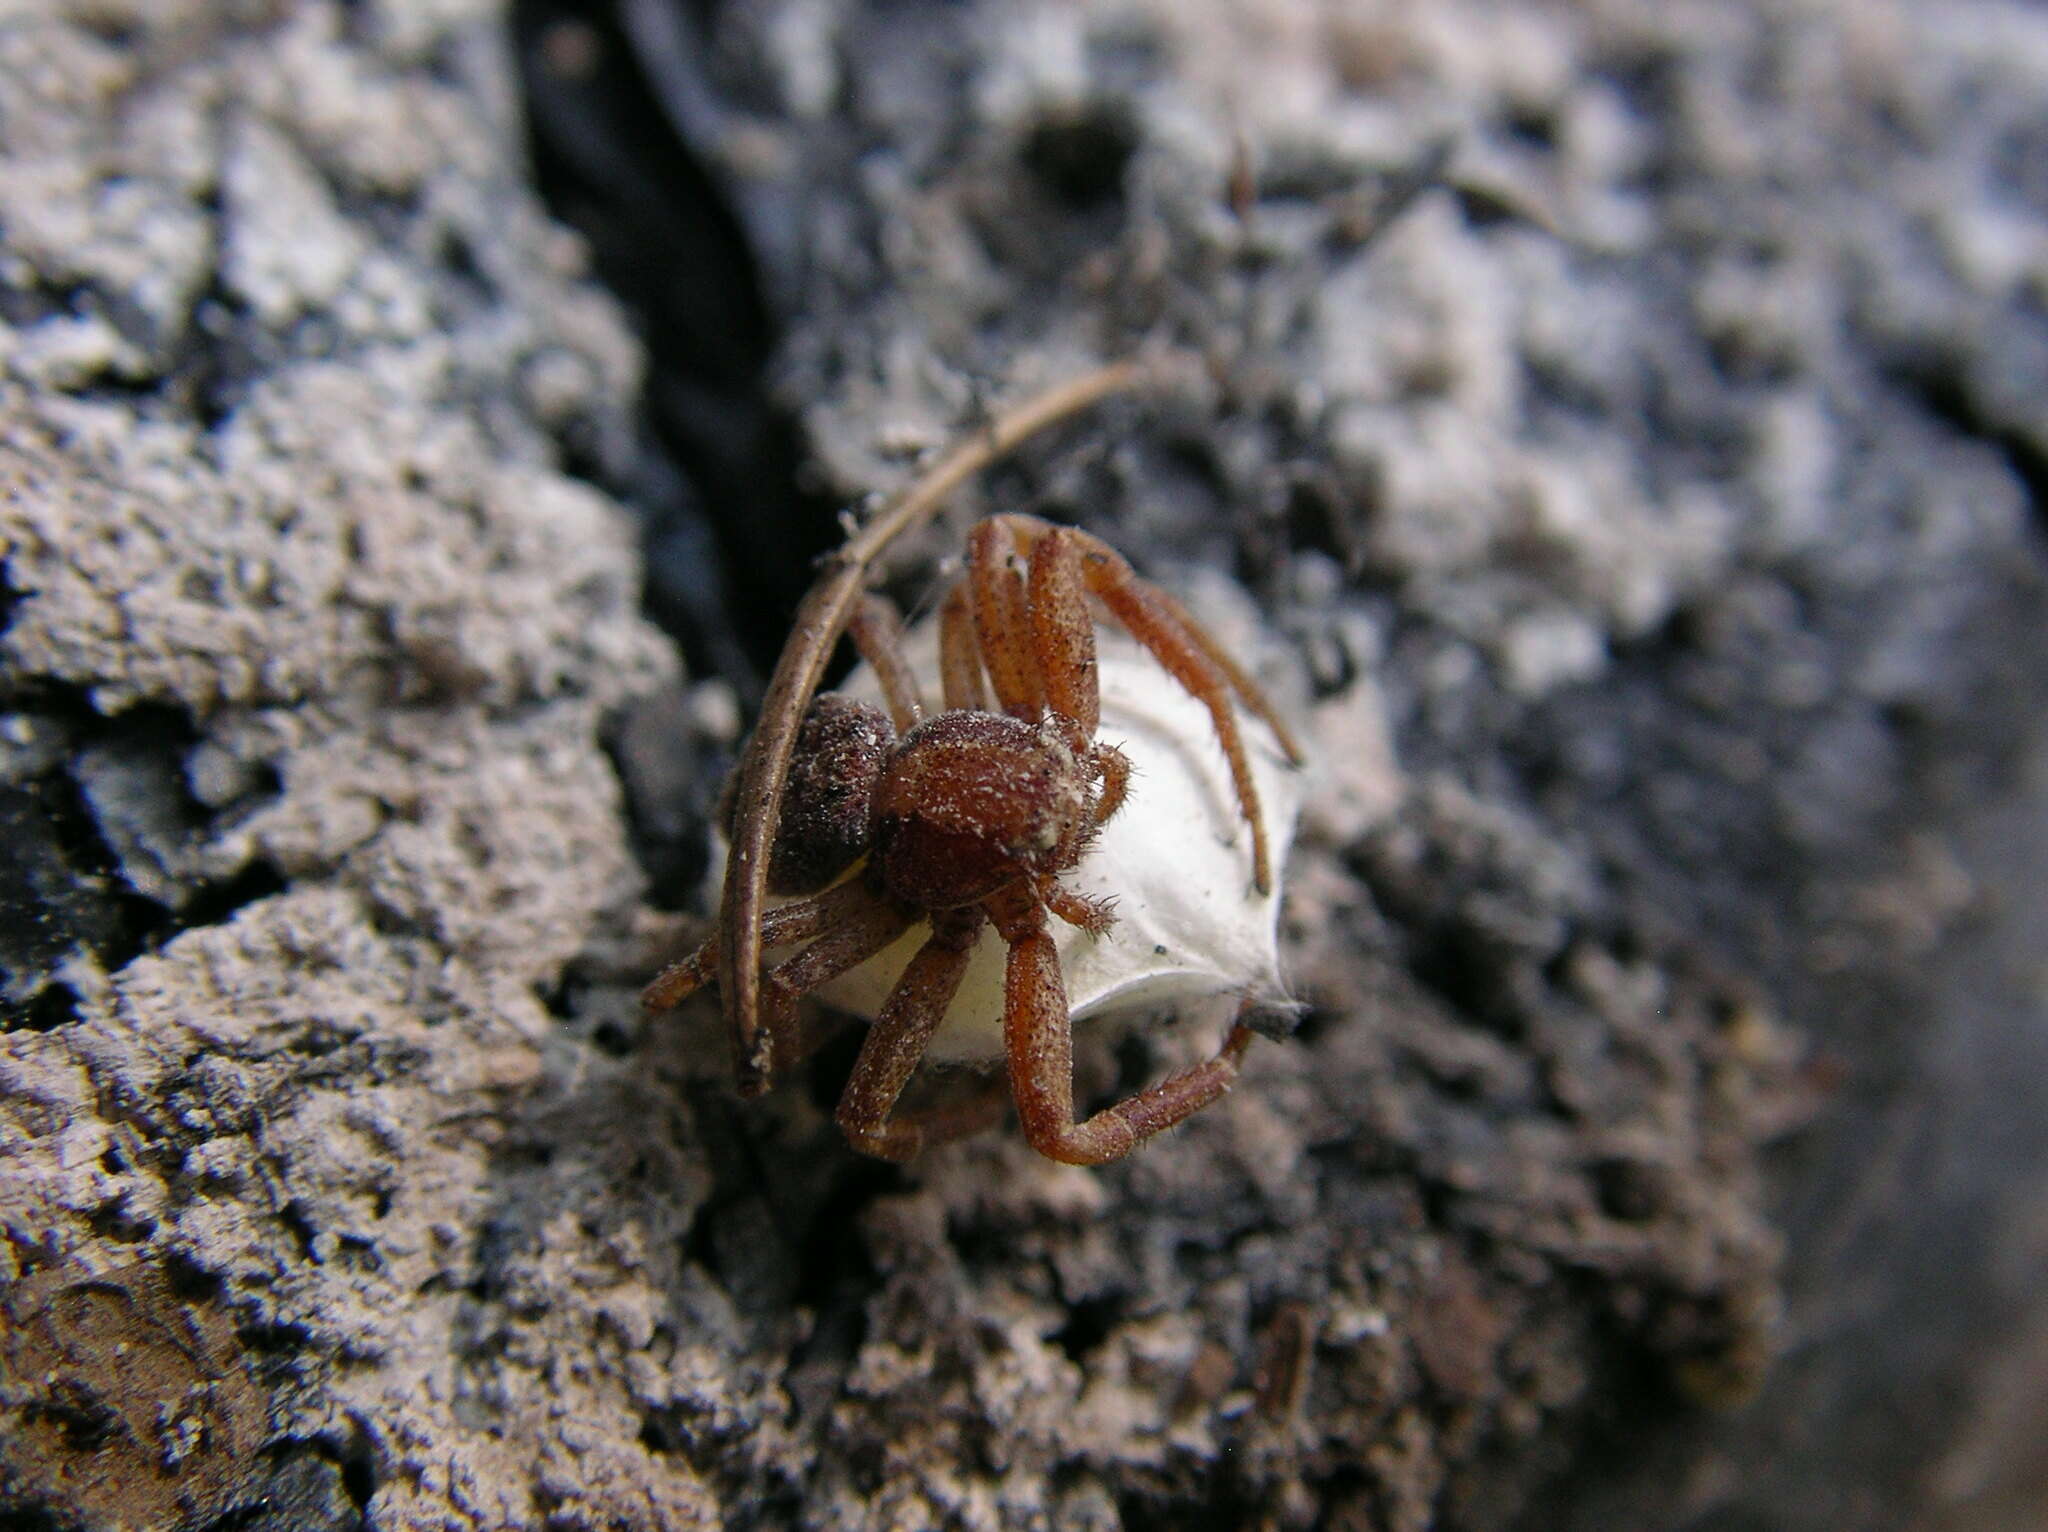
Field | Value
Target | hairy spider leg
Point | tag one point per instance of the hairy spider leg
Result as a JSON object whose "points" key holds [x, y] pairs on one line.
{"points": [[1047, 635], [862, 931], [877, 632], [1095, 916], [1173, 638], [1063, 630], [959, 663], [1102, 565], [895, 1046], [795, 922], [867, 925], [843, 919], [1249, 691], [1002, 623], [1038, 1037], [1063, 639], [845, 926], [1113, 768]]}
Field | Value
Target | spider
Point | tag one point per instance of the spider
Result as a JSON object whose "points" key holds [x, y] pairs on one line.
{"points": [[964, 819]]}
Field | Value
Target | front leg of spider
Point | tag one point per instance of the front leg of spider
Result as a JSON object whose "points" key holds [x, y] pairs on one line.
{"points": [[895, 1046], [1073, 560], [1038, 1036], [1037, 642], [842, 748]]}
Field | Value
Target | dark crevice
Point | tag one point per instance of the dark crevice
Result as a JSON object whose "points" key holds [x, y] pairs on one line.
{"points": [[671, 775], [277, 1338], [60, 892], [190, 1281], [1227, 1510], [216, 902], [358, 1474], [1134, 1071], [24, 306], [293, 1217], [1483, 207], [831, 1066], [241, 1518], [833, 1260], [1630, 1190], [836, 1275], [111, 1220], [224, 353], [1940, 384], [1313, 1021], [34, 1518], [663, 1431], [563, 999], [1458, 965], [1531, 124], [1080, 156], [1634, 1385], [85, 1425], [53, 1006], [1089, 1321], [100, 848], [729, 535]]}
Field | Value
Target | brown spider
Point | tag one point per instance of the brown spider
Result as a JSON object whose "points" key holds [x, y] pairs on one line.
{"points": [[964, 819]]}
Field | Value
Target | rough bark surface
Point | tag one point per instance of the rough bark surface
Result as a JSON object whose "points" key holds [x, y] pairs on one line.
{"points": [[1627, 416]]}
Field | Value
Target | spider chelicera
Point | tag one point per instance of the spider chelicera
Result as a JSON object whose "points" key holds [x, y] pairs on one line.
{"points": [[964, 819]]}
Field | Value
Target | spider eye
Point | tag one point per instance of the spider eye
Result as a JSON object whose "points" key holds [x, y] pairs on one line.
{"points": [[824, 830]]}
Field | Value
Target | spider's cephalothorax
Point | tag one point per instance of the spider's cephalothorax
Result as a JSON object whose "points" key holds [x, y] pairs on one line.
{"points": [[964, 803], [972, 801], [967, 819]]}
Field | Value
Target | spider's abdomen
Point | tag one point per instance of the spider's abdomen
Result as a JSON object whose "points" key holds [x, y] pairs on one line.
{"points": [[973, 801], [825, 807]]}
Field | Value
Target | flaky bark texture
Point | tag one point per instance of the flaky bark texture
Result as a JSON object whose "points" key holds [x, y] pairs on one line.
{"points": [[1626, 417]]}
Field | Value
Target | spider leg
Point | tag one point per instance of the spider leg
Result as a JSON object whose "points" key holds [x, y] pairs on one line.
{"points": [[895, 1046], [858, 935], [1028, 531], [1188, 653], [1002, 623], [877, 632], [1038, 1036], [846, 925], [1095, 916], [1062, 630], [959, 663], [1115, 768], [797, 921], [1249, 692]]}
